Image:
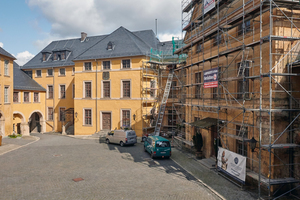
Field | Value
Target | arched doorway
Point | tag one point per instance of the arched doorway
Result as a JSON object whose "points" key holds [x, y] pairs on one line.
{"points": [[19, 124], [36, 122], [2, 124]]}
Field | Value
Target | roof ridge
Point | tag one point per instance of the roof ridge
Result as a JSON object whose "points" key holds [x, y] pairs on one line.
{"points": [[131, 33], [105, 36]]}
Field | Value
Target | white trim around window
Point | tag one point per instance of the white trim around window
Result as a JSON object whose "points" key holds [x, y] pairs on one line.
{"points": [[29, 97], [36, 73], [50, 74], [121, 116], [48, 91], [39, 97], [59, 94], [102, 88], [130, 63], [103, 64], [83, 91], [122, 80], [60, 73], [83, 69], [83, 117], [6, 94], [18, 97]]}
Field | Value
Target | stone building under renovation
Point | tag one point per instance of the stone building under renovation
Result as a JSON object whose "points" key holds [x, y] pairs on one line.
{"points": [[239, 87]]}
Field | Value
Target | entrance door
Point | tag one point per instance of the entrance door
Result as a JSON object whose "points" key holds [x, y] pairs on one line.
{"points": [[106, 121], [214, 136]]}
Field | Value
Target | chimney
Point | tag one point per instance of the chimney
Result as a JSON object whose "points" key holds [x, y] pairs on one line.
{"points": [[83, 36]]}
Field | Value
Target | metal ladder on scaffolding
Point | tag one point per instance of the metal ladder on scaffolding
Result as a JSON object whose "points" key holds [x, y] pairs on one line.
{"points": [[163, 104]]}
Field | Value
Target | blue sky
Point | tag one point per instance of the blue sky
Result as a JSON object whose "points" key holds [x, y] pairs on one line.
{"points": [[27, 26]]}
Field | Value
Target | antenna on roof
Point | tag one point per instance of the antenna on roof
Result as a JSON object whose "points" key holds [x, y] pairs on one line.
{"points": [[156, 27]]}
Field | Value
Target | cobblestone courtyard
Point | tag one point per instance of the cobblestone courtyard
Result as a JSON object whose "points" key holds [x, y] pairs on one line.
{"points": [[46, 169]]}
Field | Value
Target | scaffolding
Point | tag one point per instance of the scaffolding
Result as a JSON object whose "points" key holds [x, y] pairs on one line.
{"points": [[255, 46], [155, 74]]}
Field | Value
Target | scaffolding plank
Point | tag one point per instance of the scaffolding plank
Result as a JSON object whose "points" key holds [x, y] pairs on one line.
{"points": [[272, 181]]}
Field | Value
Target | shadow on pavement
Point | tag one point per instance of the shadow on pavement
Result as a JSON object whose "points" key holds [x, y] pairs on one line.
{"points": [[136, 153]]}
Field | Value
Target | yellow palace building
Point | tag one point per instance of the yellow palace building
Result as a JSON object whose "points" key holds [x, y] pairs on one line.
{"points": [[93, 83], [22, 100]]}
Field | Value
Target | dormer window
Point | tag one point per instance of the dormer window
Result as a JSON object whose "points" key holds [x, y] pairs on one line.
{"points": [[55, 56], [110, 46], [63, 55], [45, 56]]}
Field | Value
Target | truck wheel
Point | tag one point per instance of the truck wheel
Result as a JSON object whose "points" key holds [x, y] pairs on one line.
{"points": [[107, 141]]}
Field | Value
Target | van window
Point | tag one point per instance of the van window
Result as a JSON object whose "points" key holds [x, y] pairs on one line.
{"points": [[162, 144], [149, 140], [131, 133]]}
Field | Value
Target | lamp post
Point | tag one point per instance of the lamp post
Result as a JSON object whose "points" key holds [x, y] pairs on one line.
{"points": [[76, 114], [134, 117]]}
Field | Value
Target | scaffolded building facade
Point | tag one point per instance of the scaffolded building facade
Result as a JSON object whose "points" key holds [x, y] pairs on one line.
{"points": [[254, 45]]}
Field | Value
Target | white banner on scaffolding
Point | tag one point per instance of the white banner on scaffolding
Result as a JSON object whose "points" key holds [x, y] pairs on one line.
{"points": [[232, 164], [208, 5]]}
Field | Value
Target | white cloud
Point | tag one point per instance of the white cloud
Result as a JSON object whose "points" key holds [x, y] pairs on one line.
{"points": [[1, 44], [23, 57], [70, 17], [168, 37]]}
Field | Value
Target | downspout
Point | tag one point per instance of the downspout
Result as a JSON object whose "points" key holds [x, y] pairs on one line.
{"points": [[96, 95], [53, 128]]}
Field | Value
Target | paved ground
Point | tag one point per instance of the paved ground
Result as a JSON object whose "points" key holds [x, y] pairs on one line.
{"points": [[44, 169]]}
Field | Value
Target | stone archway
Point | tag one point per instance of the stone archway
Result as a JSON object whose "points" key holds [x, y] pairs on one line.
{"points": [[19, 124], [36, 122], [2, 124]]}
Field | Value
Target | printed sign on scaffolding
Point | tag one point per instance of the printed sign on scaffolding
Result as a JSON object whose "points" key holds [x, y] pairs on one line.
{"points": [[232, 164], [208, 5], [210, 78]]}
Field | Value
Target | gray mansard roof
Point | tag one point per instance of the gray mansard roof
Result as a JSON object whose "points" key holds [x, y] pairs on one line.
{"points": [[5, 53], [125, 44], [23, 82]]}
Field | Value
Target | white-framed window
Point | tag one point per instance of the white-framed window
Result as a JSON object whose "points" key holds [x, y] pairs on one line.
{"points": [[62, 91], [6, 94], [50, 113], [36, 97], [126, 64], [87, 116], [26, 97], [125, 118], [6, 67], [38, 73], [62, 71], [88, 66], [126, 89], [16, 97], [106, 65], [62, 117], [49, 72], [87, 89], [50, 92], [106, 89]]}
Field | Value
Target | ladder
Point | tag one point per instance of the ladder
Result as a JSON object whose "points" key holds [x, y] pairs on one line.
{"points": [[163, 104]]}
